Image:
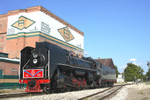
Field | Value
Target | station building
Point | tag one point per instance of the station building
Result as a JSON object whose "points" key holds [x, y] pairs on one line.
{"points": [[120, 78], [25, 27], [8, 72]]}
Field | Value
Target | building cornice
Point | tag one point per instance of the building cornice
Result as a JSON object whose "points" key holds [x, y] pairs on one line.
{"points": [[42, 9]]}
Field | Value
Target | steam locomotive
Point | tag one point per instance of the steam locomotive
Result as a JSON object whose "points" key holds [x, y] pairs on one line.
{"points": [[48, 67]]}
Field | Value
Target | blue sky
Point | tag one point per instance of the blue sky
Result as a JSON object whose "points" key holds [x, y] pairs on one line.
{"points": [[117, 29]]}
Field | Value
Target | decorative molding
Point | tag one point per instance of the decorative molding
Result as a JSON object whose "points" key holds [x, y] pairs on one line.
{"points": [[39, 33]]}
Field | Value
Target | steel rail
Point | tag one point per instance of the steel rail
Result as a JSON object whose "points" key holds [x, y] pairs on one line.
{"points": [[111, 93], [103, 94]]}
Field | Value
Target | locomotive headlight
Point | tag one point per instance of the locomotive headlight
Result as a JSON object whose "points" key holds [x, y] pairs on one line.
{"points": [[35, 55], [35, 61]]}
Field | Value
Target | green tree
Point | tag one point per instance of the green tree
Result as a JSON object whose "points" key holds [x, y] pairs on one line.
{"points": [[116, 71], [148, 74], [133, 72], [144, 77]]}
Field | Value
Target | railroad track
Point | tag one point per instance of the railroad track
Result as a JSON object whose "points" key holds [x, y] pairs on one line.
{"points": [[99, 95], [13, 95], [103, 94]]}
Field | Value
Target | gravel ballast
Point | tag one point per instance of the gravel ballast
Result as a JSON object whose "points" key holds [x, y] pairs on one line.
{"points": [[133, 92], [130, 92], [74, 95]]}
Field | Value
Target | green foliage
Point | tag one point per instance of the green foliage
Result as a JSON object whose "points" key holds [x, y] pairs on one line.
{"points": [[133, 72], [116, 71], [148, 83], [144, 77], [148, 74]]}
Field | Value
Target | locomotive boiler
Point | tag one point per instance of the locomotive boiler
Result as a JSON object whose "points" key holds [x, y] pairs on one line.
{"points": [[48, 67]]}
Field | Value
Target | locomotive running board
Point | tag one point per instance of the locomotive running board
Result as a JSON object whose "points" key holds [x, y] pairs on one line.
{"points": [[75, 67]]}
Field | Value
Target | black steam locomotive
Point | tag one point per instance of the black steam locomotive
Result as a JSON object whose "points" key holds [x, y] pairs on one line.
{"points": [[49, 68]]}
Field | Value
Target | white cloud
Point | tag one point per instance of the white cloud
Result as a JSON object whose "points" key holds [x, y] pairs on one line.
{"points": [[132, 59]]}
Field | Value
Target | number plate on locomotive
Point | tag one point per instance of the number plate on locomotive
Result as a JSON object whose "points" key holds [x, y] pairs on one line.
{"points": [[33, 73]]}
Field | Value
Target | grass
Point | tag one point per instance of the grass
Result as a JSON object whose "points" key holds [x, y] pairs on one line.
{"points": [[147, 83], [13, 90], [4, 91], [141, 92], [145, 98]]}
